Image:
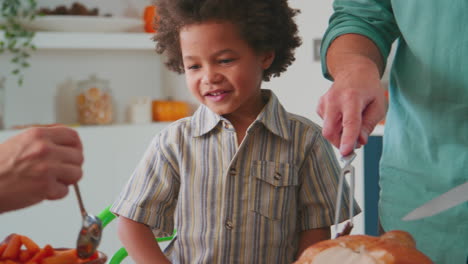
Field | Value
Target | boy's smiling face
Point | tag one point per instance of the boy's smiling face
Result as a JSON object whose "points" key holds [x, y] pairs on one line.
{"points": [[222, 71]]}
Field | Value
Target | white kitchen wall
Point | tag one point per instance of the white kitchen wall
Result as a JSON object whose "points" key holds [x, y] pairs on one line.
{"points": [[47, 83], [301, 86]]}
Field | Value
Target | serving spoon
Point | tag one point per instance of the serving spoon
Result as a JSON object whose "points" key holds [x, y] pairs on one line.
{"points": [[90, 233]]}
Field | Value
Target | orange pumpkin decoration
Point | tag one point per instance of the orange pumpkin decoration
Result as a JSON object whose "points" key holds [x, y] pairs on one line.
{"points": [[150, 18], [393, 247], [169, 110]]}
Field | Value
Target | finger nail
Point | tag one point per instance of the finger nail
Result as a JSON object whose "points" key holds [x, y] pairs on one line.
{"points": [[345, 148]]}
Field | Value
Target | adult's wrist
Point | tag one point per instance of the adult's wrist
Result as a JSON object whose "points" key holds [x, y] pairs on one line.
{"points": [[355, 65]]}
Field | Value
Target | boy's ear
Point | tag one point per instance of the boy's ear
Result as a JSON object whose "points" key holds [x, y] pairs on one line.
{"points": [[267, 59]]}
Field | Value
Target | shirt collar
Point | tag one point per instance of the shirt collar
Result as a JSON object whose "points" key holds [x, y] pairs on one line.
{"points": [[204, 120], [273, 116]]}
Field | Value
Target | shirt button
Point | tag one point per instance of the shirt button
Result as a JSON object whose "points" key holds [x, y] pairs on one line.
{"points": [[232, 171], [277, 176], [229, 225]]}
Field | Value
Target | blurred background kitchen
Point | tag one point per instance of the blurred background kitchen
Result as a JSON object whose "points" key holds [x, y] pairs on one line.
{"points": [[129, 103]]}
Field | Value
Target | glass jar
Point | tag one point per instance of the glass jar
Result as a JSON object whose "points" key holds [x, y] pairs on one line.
{"points": [[94, 102]]}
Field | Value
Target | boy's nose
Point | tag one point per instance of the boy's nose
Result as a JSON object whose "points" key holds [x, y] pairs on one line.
{"points": [[211, 77]]}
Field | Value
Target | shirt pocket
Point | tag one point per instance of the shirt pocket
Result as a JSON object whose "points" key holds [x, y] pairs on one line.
{"points": [[273, 189]]}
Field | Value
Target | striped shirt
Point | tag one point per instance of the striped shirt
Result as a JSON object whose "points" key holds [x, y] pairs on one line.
{"points": [[235, 203]]}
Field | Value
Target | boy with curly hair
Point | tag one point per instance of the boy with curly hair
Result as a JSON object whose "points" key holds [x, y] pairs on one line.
{"points": [[242, 180]]}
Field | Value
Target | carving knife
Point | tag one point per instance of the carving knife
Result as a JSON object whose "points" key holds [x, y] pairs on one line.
{"points": [[453, 197]]}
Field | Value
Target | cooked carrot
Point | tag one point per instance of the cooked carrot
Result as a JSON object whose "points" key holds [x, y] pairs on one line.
{"points": [[9, 261], [13, 248], [7, 239], [2, 249], [24, 255], [47, 251], [32, 247]]}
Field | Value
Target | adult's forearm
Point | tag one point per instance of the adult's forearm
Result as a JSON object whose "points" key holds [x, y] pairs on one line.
{"points": [[354, 52]]}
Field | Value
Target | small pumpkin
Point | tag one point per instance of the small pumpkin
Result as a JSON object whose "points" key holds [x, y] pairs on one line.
{"points": [[393, 247], [168, 110], [150, 17]]}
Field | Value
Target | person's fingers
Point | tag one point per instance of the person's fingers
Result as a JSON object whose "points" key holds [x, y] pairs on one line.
{"points": [[59, 135], [57, 190], [332, 126], [65, 136], [371, 116], [43, 152], [362, 139], [66, 154], [351, 128], [68, 174], [60, 177]]}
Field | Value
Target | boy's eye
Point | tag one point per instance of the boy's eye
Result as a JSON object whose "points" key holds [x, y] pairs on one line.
{"points": [[193, 67], [225, 61]]}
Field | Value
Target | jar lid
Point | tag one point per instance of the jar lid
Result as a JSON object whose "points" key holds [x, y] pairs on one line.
{"points": [[93, 81]]}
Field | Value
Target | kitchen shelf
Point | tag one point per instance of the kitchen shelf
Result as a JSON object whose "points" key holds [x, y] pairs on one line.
{"points": [[112, 128], [92, 41]]}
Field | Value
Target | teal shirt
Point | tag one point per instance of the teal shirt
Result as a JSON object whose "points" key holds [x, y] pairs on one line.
{"points": [[426, 134]]}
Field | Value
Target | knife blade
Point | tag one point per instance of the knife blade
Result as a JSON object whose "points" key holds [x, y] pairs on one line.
{"points": [[441, 203]]}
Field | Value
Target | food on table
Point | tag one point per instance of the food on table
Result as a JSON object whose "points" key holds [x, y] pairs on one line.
{"points": [[19, 249], [393, 247]]}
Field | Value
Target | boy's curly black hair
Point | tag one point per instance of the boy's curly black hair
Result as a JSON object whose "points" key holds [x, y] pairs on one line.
{"points": [[267, 25]]}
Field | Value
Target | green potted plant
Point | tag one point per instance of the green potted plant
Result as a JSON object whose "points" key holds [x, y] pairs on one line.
{"points": [[16, 39]]}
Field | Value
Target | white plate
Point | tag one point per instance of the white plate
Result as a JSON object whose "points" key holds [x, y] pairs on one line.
{"points": [[70, 23]]}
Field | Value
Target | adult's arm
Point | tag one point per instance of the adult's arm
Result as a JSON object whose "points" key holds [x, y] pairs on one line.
{"points": [[354, 53]]}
